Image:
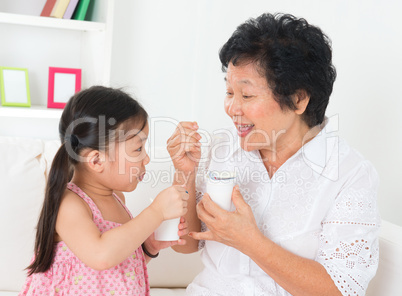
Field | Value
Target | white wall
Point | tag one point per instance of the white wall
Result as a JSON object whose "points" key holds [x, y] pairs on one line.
{"points": [[166, 52]]}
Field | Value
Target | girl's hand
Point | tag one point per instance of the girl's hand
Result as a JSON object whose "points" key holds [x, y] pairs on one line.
{"points": [[184, 147], [154, 246], [236, 229], [171, 203]]}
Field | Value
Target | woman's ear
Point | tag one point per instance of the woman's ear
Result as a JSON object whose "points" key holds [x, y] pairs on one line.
{"points": [[96, 161], [301, 100]]}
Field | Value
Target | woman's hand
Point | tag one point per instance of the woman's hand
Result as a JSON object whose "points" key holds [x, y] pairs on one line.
{"points": [[153, 246], [171, 203], [235, 229], [184, 147]]}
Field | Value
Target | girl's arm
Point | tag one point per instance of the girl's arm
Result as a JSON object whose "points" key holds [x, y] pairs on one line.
{"points": [[153, 246], [101, 251]]}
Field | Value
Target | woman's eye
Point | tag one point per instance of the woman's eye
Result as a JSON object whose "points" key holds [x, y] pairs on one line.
{"points": [[247, 97], [229, 94]]}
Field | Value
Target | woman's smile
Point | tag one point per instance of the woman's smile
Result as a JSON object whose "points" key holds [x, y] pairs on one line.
{"points": [[243, 129]]}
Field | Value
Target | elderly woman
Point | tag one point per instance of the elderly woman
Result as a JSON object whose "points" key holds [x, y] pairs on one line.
{"points": [[304, 219]]}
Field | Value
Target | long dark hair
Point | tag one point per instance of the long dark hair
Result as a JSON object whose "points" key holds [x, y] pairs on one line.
{"points": [[89, 120]]}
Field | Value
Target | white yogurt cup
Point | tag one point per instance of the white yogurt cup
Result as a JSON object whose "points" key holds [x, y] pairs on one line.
{"points": [[220, 187], [167, 231]]}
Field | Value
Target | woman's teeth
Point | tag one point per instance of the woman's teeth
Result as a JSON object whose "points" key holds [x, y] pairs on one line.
{"points": [[244, 127]]}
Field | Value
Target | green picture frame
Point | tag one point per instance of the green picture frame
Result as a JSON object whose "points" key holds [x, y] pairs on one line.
{"points": [[14, 83]]}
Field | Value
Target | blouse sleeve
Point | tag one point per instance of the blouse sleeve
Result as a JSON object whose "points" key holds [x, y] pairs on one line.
{"points": [[349, 239]]}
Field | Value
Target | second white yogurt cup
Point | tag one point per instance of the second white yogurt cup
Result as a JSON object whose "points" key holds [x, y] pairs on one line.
{"points": [[220, 191]]}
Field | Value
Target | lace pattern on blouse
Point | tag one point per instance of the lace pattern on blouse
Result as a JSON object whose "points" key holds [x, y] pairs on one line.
{"points": [[352, 262], [344, 262]]}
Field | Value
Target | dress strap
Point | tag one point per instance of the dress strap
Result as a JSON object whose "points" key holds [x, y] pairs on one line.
{"points": [[95, 210], [77, 190], [122, 203]]}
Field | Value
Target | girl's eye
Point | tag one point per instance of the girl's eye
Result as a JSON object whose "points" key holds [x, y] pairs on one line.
{"points": [[139, 149]]}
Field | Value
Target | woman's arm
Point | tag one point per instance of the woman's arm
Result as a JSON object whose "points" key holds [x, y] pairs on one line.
{"points": [[238, 229], [194, 223], [185, 151], [297, 275]]}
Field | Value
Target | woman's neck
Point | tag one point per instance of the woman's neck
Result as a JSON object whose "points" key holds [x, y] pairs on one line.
{"points": [[286, 146]]}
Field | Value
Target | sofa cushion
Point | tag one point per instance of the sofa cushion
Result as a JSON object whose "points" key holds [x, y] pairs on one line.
{"points": [[388, 279], [174, 270], [167, 292], [22, 179], [49, 151]]}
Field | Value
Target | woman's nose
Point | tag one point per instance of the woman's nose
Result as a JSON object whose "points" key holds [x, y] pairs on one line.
{"points": [[235, 106]]}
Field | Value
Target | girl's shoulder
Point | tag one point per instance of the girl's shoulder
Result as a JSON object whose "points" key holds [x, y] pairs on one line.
{"points": [[74, 220], [71, 202]]}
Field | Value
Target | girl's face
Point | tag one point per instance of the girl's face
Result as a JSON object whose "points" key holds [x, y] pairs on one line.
{"points": [[251, 104], [126, 164]]}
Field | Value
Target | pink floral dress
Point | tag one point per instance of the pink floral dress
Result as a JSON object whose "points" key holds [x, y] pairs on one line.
{"points": [[68, 275]]}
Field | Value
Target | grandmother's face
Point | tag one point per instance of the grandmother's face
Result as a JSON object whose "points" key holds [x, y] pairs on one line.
{"points": [[260, 121]]}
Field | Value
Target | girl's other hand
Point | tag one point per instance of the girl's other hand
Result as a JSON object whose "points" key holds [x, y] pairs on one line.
{"points": [[171, 203], [184, 147]]}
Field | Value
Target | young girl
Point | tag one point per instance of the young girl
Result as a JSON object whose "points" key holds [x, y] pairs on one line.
{"points": [[87, 242]]}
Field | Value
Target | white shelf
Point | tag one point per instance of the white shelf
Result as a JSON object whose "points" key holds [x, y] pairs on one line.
{"points": [[48, 22], [57, 42], [30, 112]]}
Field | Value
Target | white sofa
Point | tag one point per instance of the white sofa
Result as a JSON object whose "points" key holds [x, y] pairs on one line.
{"points": [[24, 164]]}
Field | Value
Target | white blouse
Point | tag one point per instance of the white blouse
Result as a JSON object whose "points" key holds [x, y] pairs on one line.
{"points": [[320, 204]]}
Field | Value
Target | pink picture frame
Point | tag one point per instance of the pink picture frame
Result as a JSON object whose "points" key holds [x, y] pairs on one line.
{"points": [[63, 83]]}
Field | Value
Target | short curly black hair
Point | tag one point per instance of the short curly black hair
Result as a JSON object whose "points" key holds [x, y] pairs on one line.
{"points": [[292, 54]]}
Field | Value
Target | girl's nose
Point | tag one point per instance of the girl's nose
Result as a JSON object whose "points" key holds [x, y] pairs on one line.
{"points": [[147, 159]]}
